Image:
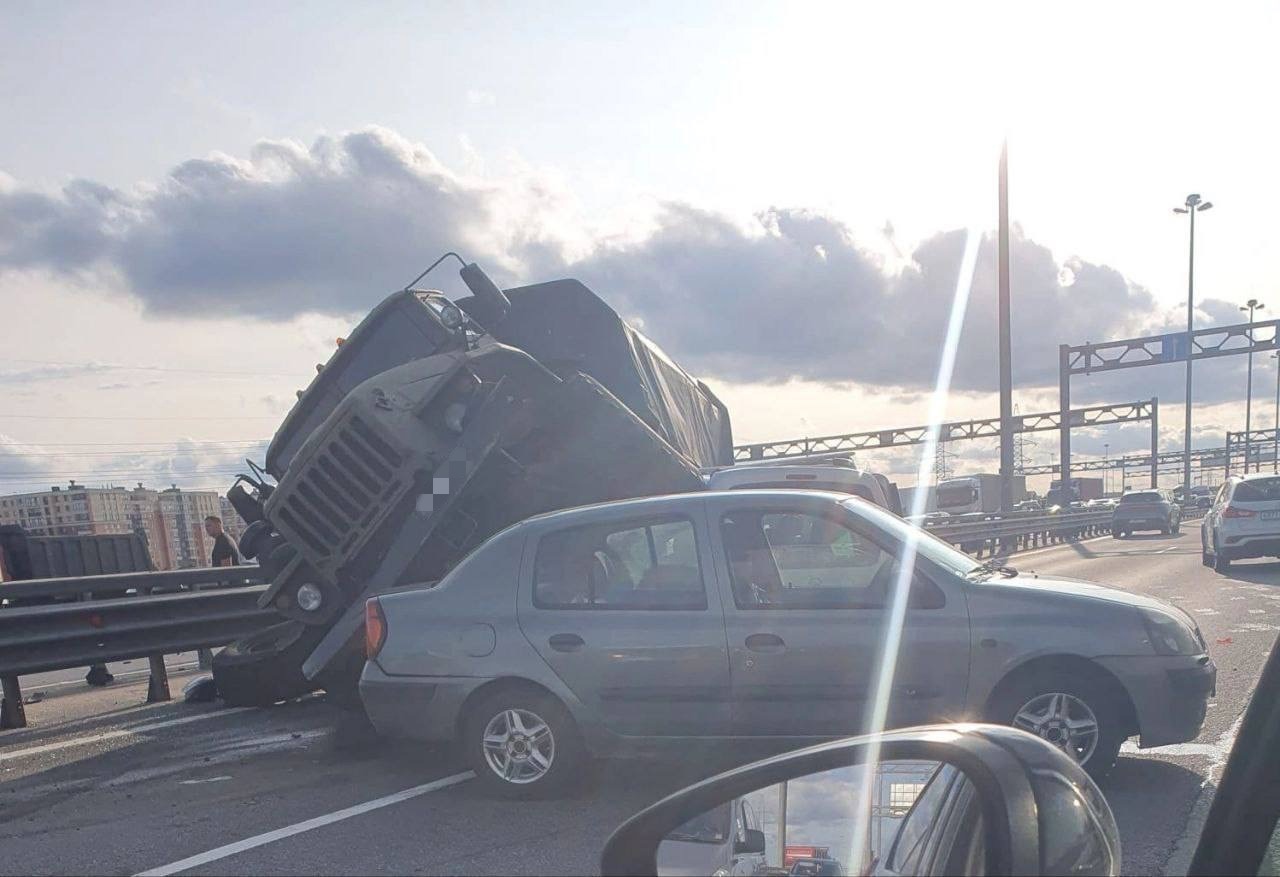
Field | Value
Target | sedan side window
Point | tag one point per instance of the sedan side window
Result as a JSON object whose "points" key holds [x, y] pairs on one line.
{"points": [[795, 560], [649, 564]]}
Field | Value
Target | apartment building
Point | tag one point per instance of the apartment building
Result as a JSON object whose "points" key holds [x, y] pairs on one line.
{"points": [[183, 512]]}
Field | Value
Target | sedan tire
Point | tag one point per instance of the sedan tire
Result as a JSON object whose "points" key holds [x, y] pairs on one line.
{"points": [[523, 743], [1078, 715]]}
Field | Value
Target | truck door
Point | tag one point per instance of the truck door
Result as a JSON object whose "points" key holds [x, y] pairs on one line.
{"points": [[626, 612]]}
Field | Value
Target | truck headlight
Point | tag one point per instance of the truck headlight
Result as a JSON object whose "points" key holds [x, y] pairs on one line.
{"points": [[451, 316], [1169, 635], [309, 597]]}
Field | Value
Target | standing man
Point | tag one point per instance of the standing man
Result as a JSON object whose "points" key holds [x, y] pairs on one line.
{"points": [[224, 550], [224, 554]]}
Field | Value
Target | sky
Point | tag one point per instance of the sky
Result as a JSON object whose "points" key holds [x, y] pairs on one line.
{"points": [[195, 200]]}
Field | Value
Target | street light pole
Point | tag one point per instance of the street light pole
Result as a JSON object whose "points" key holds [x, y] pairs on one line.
{"points": [[1275, 446], [1251, 305], [1106, 467], [1192, 206]]}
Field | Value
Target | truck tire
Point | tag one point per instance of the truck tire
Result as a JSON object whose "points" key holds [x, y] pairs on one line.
{"points": [[266, 667]]}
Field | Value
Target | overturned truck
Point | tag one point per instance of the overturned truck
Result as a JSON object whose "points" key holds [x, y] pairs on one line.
{"points": [[434, 425]]}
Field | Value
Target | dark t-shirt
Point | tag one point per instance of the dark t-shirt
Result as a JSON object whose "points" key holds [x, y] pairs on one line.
{"points": [[224, 548]]}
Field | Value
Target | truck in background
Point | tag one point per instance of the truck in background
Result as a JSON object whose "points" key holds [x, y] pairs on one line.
{"points": [[930, 498], [976, 493], [1081, 490]]}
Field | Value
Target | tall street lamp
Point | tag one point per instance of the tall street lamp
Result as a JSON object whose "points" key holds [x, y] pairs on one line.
{"points": [[1106, 468], [1191, 207], [1251, 305], [1275, 446]]}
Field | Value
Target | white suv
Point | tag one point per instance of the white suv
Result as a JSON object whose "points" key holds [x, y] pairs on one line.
{"points": [[1243, 522]]}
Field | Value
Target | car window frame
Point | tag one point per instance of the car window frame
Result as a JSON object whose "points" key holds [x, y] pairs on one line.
{"points": [[618, 524], [922, 582]]}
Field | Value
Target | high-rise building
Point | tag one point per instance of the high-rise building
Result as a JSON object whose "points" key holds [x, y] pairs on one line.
{"points": [[183, 513], [231, 520], [74, 510]]}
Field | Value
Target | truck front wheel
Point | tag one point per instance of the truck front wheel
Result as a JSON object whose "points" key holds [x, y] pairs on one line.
{"points": [[266, 667]]}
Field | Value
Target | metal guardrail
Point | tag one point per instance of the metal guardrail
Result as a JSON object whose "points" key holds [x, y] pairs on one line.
{"points": [[997, 535], [55, 624], [1000, 535]]}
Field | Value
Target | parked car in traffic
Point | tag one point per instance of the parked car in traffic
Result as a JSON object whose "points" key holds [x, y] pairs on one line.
{"points": [[758, 614], [1244, 521], [1145, 510]]}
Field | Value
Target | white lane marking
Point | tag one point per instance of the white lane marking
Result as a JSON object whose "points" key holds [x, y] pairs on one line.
{"points": [[1257, 611], [199, 782], [259, 840], [120, 732], [1180, 859]]}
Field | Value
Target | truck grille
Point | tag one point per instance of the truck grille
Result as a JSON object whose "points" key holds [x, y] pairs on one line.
{"points": [[340, 490]]}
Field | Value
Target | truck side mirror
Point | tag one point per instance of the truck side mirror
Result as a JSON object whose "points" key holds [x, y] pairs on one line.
{"points": [[751, 842], [491, 298]]}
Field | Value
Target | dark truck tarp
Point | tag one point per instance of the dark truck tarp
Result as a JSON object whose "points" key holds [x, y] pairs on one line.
{"points": [[567, 327]]}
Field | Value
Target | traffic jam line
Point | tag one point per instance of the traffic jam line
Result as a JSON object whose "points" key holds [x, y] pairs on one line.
{"points": [[260, 840]]}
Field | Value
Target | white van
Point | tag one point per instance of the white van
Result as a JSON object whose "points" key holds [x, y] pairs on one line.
{"points": [[823, 472]]}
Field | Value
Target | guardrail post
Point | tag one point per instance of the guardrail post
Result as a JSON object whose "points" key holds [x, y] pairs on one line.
{"points": [[12, 713], [158, 686]]}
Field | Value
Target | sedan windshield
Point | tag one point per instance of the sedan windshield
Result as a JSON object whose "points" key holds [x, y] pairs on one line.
{"points": [[929, 546]]}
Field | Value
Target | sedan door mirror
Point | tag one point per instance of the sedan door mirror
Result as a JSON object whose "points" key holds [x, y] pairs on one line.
{"points": [[955, 799]]}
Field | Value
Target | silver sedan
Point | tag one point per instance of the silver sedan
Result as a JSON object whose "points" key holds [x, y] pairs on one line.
{"points": [[759, 614]]}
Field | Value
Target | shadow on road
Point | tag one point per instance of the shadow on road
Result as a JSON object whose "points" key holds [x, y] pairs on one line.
{"points": [[1150, 833], [1086, 549], [1256, 572]]}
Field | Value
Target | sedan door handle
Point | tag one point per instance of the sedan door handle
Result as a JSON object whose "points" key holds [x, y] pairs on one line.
{"points": [[566, 642], [766, 643]]}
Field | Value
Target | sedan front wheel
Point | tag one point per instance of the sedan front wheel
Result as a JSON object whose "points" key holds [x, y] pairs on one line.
{"points": [[1078, 716]]}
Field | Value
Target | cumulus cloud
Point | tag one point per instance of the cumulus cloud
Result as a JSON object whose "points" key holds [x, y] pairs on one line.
{"points": [[331, 228]]}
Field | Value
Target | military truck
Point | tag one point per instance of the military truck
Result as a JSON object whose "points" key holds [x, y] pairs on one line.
{"points": [[433, 426]]}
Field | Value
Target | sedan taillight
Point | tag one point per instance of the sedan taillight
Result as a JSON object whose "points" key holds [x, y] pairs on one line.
{"points": [[375, 628], [1233, 512]]}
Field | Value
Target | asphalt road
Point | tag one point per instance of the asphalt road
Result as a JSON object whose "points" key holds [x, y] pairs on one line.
{"points": [[102, 784]]}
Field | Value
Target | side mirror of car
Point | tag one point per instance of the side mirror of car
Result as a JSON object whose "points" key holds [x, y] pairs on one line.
{"points": [[947, 799], [752, 841]]}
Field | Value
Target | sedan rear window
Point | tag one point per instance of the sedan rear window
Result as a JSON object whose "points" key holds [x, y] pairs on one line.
{"points": [[650, 564], [1259, 490], [1142, 496]]}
